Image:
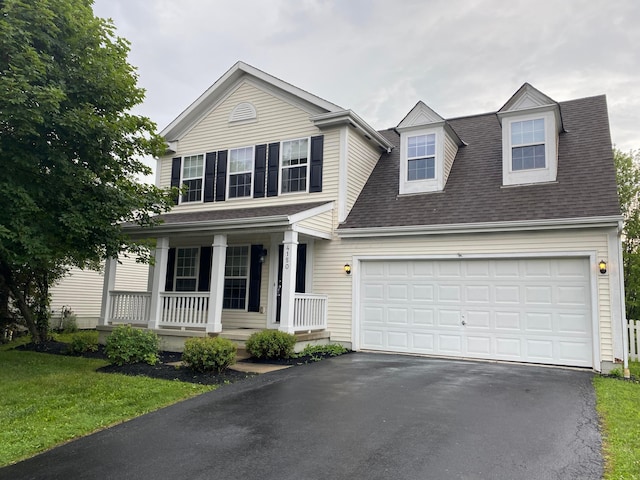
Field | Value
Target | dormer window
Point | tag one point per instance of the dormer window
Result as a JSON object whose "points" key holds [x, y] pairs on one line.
{"points": [[527, 144], [531, 123], [428, 146], [421, 157]]}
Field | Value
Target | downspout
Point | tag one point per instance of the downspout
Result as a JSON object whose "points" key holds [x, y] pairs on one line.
{"points": [[625, 328]]}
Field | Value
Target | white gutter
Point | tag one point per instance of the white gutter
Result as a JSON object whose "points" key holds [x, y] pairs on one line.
{"points": [[611, 221]]}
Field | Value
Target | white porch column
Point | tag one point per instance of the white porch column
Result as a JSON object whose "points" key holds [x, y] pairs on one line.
{"points": [[158, 281], [289, 265], [216, 284], [108, 285]]}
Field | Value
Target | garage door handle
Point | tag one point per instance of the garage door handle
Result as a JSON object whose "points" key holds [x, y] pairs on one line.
{"points": [[463, 322]]}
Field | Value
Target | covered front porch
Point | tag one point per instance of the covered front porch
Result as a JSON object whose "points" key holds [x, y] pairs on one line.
{"points": [[212, 277]]}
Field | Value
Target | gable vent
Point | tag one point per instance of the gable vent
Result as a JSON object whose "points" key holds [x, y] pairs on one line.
{"points": [[243, 111]]}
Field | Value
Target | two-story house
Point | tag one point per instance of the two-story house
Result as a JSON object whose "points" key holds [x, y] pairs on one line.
{"points": [[493, 236]]}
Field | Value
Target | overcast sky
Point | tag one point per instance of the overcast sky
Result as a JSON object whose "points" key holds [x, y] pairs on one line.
{"points": [[378, 58]]}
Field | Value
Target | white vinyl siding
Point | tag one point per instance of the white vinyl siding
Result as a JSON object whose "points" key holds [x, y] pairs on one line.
{"points": [[278, 120], [362, 159], [331, 256], [450, 152], [81, 290]]}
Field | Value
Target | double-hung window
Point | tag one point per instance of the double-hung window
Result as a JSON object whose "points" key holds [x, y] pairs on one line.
{"points": [[528, 144], [240, 172], [295, 160], [187, 269], [421, 157], [236, 273], [192, 172]]}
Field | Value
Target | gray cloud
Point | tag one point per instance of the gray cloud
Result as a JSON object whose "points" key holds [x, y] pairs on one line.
{"points": [[379, 58]]}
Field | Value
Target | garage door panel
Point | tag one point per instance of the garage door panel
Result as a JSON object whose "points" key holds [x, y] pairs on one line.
{"points": [[449, 293], [422, 316], [505, 294], [573, 296], [423, 293], [398, 292], [397, 316], [479, 346], [537, 323], [423, 342], [450, 344], [530, 310], [507, 321], [478, 319], [573, 324], [536, 295], [478, 293]]}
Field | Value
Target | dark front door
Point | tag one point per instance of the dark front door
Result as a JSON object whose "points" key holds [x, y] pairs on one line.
{"points": [[301, 275]]}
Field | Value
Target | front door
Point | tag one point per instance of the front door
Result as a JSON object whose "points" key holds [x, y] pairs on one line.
{"points": [[301, 275]]}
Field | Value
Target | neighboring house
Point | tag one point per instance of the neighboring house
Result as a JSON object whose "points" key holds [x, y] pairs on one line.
{"points": [[81, 291], [473, 237]]}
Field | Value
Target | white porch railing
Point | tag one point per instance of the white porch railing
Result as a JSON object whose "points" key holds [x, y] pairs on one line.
{"points": [[181, 309], [309, 312], [130, 307], [634, 339]]}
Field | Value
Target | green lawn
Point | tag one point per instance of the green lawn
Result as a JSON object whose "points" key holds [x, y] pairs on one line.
{"points": [[46, 400], [618, 404]]}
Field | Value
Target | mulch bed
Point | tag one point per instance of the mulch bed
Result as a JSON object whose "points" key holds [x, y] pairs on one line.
{"points": [[162, 370]]}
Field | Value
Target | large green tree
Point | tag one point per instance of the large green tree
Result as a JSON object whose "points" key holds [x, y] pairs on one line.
{"points": [[628, 176], [69, 149]]}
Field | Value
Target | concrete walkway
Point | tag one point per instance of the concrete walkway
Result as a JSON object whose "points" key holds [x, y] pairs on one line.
{"points": [[359, 416]]}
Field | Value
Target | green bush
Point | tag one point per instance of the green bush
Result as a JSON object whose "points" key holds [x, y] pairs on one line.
{"points": [[317, 352], [131, 345], [83, 342], [209, 354], [271, 344]]}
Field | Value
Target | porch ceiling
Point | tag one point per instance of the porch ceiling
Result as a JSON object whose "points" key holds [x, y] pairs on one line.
{"points": [[279, 217]]}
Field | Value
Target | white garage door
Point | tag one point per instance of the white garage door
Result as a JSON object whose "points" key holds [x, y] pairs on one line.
{"points": [[527, 310]]}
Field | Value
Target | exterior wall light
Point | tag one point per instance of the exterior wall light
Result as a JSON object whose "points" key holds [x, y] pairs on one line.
{"points": [[263, 255], [603, 266], [347, 269]]}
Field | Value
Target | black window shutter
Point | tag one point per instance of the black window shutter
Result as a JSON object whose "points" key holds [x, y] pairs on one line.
{"points": [[209, 176], [315, 182], [221, 176], [274, 166], [301, 270], [176, 165], [171, 263], [260, 171], [204, 273], [255, 278]]}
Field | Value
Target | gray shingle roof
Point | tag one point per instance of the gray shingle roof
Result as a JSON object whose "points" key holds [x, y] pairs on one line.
{"points": [[585, 187]]}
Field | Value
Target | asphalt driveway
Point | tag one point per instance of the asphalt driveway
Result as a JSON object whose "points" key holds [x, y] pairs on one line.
{"points": [[359, 416]]}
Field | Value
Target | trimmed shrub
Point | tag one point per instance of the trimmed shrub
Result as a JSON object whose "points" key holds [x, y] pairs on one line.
{"points": [[131, 345], [83, 342], [317, 352], [209, 354], [271, 344]]}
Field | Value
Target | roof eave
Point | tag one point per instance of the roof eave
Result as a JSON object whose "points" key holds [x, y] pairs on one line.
{"points": [[481, 227], [348, 117]]}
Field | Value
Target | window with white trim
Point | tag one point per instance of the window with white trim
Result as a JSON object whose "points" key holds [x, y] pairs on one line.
{"points": [[192, 177], [421, 157], [186, 276], [527, 144], [236, 275], [240, 172], [529, 147], [294, 165]]}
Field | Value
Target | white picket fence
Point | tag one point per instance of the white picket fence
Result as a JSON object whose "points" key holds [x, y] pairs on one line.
{"points": [[634, 339]]}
